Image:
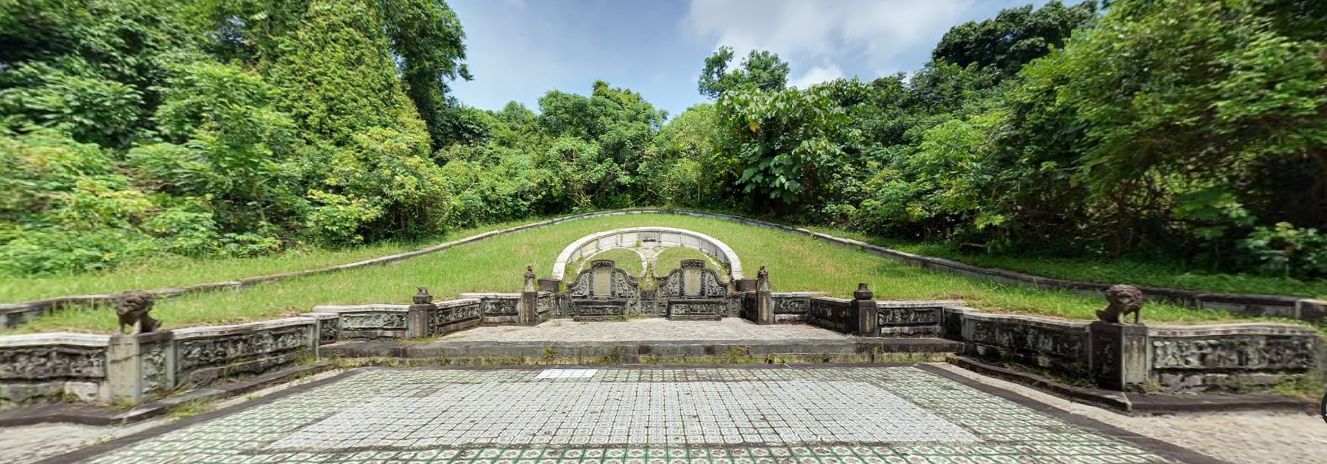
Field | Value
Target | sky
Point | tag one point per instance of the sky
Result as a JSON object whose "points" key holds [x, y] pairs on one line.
{"points": [[520, 49]]}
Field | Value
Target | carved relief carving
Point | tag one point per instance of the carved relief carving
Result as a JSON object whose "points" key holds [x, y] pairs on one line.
{"points": [[373, 321], [52, 362], [225, 349], [1247, 352], [445, 316], [908, 316]]}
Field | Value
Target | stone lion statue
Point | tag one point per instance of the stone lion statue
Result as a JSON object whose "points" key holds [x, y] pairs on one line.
{"points": [[1122, 300], [133, 308]]}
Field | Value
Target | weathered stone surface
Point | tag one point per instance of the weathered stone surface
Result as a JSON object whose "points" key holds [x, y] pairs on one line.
{"points": [[1042, 342], [831, 313], [373, 320], [1239, 352], [205, 353], [697, 309], [52, 362]]}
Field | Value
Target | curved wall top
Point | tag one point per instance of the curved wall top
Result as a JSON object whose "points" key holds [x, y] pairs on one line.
{"points": [[634, 236]]}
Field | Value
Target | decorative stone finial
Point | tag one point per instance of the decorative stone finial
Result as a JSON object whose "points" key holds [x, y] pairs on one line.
{"points": [[863, 292], [530, 284], [133, 308], [762, 280], [423, 296], [1122, 300]]}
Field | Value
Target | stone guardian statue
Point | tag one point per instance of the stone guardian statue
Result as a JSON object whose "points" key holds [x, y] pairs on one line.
{"points": [[1122, 300], [132, 309]]}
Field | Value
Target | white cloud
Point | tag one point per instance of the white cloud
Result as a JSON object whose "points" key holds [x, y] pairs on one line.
{"points": [[874, 30], [817, 75]]}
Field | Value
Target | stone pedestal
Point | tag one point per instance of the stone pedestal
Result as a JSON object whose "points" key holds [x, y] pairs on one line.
{"points": [[140, 366], [865, 313], [417, 319], [1117, 355]]}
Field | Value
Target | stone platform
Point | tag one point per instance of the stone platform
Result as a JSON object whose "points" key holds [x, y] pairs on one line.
{"points": [[757, 415], [648, 341]]}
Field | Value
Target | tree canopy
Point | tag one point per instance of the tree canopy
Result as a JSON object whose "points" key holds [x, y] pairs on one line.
{"points": [[1192, 129]]}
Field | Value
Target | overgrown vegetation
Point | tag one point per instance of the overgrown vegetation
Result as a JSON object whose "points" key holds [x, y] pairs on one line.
{"points": [[1191, 132]]}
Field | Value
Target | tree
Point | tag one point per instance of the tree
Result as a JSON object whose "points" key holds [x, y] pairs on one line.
{"points": [[1014, 37], [760, 70]]}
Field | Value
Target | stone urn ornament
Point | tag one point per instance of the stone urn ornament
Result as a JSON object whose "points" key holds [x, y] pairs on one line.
{"points": [[132, 310], [423, 296], [1122, 300], [863, 292], [530, 283]]}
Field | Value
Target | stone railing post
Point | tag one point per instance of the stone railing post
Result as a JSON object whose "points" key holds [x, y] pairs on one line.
{"points": [[865, 312], [1117, 354], [764, 298], [528, 312], [419, 316], [139, 365]]}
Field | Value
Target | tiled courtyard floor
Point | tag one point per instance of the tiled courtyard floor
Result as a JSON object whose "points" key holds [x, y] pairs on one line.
{"points": [[842, 415]]}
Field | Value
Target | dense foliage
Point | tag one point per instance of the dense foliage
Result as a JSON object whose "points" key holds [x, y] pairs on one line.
{"points": [[1192, 129]]}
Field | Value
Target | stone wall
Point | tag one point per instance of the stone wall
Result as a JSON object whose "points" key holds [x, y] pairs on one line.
{"points": [[455, 315], [204, 354], [1058, 345], [911, 318], [792, 306], [497, 308], [368, 321], [53, 366], [1234, 357], [830, 313]]}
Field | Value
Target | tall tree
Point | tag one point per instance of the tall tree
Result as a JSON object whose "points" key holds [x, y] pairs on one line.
{"points": [[760, 70]]}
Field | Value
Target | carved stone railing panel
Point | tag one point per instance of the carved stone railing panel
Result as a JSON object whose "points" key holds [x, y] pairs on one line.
{"points": [[206, 353], [455, 315], [830, 313]]}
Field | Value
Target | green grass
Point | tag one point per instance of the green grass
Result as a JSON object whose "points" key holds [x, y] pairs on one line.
{"points": [[795, 262], [1124, 270], [623, 258], [671, 258], [179, 271]]}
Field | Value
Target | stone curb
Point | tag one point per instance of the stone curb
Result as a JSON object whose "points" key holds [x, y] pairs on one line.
{"points": [[1305, 309], [102, 416], [626, 352]]}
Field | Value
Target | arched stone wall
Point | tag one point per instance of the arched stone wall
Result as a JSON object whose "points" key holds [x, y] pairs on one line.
{"points": [[633, 236]]}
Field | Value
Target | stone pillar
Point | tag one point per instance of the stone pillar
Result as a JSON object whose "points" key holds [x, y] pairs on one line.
{"points": [[1117, 355], [529, 309], [1311, 310], [863, 302], [419, 316], [764, 298], [139, 366]]}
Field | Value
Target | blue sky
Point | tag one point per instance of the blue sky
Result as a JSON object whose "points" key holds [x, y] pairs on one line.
{"points": [[520, 49]]}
